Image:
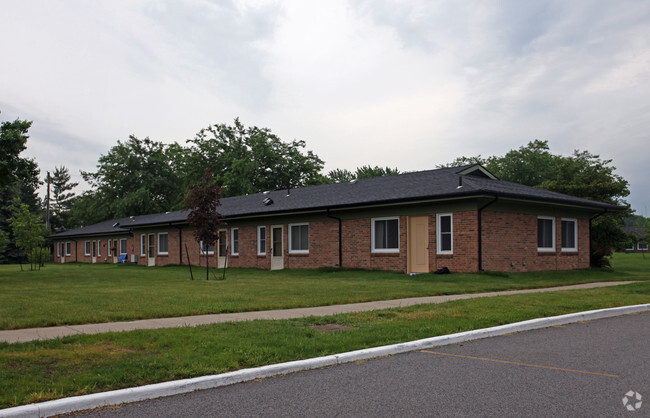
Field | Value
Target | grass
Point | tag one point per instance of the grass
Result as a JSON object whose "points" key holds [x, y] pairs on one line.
{"points": [[64, 294], [38, 371]]}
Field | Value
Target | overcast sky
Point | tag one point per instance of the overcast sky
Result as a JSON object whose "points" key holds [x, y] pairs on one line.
{"points": [[406, 84]]}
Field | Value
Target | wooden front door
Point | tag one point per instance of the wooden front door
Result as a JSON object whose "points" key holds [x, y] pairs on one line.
{"points": [[418, 244], [277, 248]]}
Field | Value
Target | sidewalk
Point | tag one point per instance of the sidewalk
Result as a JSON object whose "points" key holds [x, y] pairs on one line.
{"points": [[31, 334]]}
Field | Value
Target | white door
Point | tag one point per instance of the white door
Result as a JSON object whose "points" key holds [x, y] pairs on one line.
{"points": [[277, 248], [151, 252], [94, 251], [222, 248]]}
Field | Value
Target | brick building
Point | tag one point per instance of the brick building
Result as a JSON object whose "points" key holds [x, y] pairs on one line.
{"points": [[462, 218]]}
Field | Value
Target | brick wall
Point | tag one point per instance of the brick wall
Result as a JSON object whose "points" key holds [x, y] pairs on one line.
{"points": [[357, 247]]}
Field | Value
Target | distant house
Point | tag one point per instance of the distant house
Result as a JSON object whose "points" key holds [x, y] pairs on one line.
{"points": [[462, 218], [639, 238]]}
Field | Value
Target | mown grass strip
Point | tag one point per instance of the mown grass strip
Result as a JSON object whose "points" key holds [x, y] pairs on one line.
{"points": [[80, 293], [39, 371]]}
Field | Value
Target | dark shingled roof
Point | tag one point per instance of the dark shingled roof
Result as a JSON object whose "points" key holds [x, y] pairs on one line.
{"points": [[422, 185]]}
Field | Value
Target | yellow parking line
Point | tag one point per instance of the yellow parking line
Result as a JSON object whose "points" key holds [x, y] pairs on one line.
{"points": [[522, 364]]}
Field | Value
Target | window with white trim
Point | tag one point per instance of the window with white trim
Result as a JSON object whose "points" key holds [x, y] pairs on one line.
{"points": [[87, 248], [545, 233], [569, 234], [261, 240], [444, 233], [123, 249], [207, 248], [110, 247], [143, 245], [163, 243], [99, 248], [642, 246], [299, 238], [234, 241], [68, 248], [385, 235], [58, 249]]}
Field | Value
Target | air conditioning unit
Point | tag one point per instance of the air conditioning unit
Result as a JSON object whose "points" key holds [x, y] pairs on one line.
{"points": [[134, 258]]}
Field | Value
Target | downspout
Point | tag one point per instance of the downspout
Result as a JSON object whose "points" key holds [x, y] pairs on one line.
{"points": [[340, 237], [598, 215], [480, 231]]}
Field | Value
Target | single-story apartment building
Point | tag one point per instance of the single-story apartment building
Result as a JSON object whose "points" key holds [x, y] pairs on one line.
{"points": [[638, 239], [462, 218]]}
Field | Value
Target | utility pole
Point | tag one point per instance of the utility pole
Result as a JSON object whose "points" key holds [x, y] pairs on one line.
{"points": [[47, 209]]}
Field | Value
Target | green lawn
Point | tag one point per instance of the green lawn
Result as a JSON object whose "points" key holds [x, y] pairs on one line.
{"points": [[38, 371], [81, 293]]}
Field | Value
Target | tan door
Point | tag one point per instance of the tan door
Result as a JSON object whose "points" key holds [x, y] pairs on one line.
{"points": [[151, 251], [222, 248], [418, 241], [277, 248]]}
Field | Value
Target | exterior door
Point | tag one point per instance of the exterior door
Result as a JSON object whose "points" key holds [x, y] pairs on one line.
{"points": [[222, 248], [418, 244], [151, 250], [277, 248], [94, 254]]}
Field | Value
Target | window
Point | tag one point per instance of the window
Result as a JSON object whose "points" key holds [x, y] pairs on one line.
{"points": [[99, 248], [123, 249], [385, 235], [642, 246], [87, 248], [569, 235], [545, 234], [234, 241], [68, 248], [207, 248], [299, 238], [261, 240], [630, 247], [143, 245], [110, 247], [163, 247], [445, 233]]}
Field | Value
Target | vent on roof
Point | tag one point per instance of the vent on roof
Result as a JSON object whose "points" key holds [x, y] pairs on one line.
{"points": [[353, 181], [116, 224], [267, 201], [266, 192], [132, 218]]}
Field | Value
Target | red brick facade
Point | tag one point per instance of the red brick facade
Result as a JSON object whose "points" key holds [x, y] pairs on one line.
{"points": [[509, 244]]}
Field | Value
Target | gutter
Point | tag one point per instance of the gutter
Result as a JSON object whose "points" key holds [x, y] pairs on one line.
{"points": [[480, 231], [340, 237]]}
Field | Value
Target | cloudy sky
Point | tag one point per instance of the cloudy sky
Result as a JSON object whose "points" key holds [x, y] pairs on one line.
{"points": [[406, 84]]}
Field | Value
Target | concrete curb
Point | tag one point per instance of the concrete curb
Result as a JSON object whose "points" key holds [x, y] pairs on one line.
{"points": [[158, 390]]}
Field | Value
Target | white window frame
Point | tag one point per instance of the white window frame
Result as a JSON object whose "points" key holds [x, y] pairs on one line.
{"points": [[372, 235], [68, 248], [58, 249], [261, 237], [87, 248], [553, 237], [575, 235], [143, 245], [439, 249], [208, 252], [160, 234], [234, 231], [291, 250], [99, 248], [642, 246], [126, 246]]}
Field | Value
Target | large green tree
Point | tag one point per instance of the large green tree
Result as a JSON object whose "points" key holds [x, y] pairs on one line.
{"points": [[581, 174], [364, 172], [19, 179], [250, 160], [62, 199], [134, 178], [29, 232]]}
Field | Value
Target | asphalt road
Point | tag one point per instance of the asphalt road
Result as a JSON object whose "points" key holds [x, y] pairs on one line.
{"points": [[582, 369]]}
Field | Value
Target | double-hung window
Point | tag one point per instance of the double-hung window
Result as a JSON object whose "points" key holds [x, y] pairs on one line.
{"points": [[642, 246], [385, 235], [299, 238], [234, 241], [545, 233], [207, 248], [261, 240], [123, 246], [569, 235], [163, 243], [445, 233], [58, 249], [87, 248], [68, 248], [99, 248], [143, 245]]}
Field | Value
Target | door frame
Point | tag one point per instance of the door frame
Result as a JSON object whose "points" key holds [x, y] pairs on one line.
{"points": [[94, 251], [222, 242], [277, 261], [417, 245], [151, 250]]}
